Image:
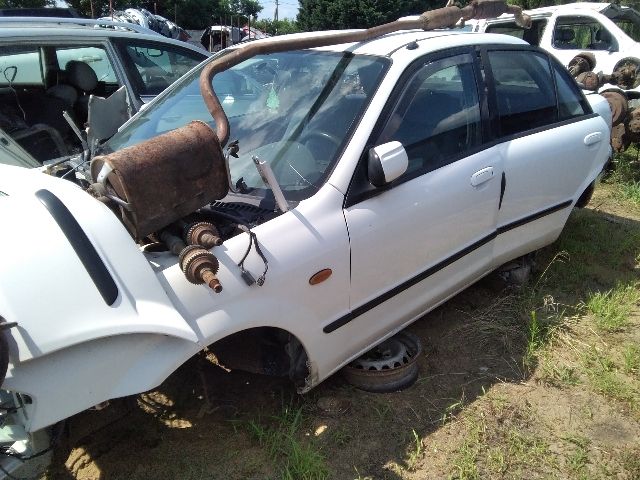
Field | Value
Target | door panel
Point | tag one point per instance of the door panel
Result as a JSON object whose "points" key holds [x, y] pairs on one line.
{"points": [[431, 231]]}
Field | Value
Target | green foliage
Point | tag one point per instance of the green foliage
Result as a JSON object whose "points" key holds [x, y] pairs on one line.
{"points": [[296, 460], [281, 27], [340, 14], [612, 308], [26, 3]]}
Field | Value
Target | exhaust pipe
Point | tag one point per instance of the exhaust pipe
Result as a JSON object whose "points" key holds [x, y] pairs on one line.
{"points": [[440, 18]]}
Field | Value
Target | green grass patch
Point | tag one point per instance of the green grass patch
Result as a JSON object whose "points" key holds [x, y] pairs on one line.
{"points": [[631, 356], [605, 379], [295, 459], [612, 308]]}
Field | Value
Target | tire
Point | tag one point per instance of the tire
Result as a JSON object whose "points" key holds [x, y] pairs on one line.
{"points": [[585, 198]]}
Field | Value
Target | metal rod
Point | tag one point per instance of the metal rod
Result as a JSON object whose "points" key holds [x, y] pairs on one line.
{"points": [[430, 20]]}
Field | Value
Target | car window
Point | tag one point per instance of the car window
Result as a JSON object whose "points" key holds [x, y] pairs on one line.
{"points": [[531, 35], [571, 103], [95, 57], [20, 65], [437, 117], [156, 66], [582, 33], [524, 89]]}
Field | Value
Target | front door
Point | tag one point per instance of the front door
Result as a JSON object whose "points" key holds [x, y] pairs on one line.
{"points": [[427, 234]]}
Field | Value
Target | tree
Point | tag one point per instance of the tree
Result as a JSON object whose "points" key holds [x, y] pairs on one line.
{"points": [[26, 3], [339, 14], [281, 27]]}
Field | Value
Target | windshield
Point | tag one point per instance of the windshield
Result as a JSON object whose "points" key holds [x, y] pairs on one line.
{"points": [[294, 110]]}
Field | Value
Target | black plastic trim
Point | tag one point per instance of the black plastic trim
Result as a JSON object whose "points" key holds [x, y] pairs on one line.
{"points": [[364, 308], [83, 247]]}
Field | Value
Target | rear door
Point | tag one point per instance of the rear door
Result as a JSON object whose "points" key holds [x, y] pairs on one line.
{"points": [[549, 139], [428, 233]]}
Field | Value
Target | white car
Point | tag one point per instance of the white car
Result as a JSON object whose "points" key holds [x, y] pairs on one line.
{"points": [[610, 32], [397, 172]]}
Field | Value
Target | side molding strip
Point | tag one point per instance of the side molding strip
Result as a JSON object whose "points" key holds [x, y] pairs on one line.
{"points": [[82, 245], [362, 309]]}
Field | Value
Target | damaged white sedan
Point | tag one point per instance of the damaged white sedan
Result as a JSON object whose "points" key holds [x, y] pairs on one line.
{"points": [[350, 182]]}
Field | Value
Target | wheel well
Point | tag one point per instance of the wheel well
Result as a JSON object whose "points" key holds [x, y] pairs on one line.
{"points": [[265, 350]]}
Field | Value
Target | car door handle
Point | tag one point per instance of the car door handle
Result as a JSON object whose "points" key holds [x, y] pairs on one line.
{"points": [[481, 176], [593, 138]]}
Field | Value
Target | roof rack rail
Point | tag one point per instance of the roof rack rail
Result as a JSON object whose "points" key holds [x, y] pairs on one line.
{"points": [[134, 27]]}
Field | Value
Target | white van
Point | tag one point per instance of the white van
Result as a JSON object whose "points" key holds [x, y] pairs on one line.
{"points": [[610, 32]]}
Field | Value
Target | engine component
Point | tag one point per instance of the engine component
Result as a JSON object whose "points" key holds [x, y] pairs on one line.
{"points": [[589, 80], [583, 62], [200, 266], [174, 243], [202, 233], [626, 74], [620, 140], [388, 367], [165, 178], [619, 106]]}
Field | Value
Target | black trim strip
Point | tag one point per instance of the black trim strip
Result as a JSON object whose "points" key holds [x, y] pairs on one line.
{"points": [[82, 245], [543, 213], [362, 309]]}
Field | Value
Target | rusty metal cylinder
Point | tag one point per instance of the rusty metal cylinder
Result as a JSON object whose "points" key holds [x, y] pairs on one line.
{"points": [[618, 105], [590, 80], [165, 178], [200, 266]]}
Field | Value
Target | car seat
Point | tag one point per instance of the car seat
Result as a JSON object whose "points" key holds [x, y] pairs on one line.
{"points": [[564, 38], [603, 40], [77, 82]]}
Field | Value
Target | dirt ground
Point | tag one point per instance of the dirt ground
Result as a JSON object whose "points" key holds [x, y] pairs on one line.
{"points": [[525, 383]]}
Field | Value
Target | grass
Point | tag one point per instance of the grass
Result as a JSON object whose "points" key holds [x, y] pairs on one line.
{"points": [[605, 379], [295, 459], [578, 460], [613, 307], [631, 356]]}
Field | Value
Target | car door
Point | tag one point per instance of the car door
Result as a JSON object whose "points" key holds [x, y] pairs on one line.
{"points": [[548, 141], [153, 66], [429, 233]]}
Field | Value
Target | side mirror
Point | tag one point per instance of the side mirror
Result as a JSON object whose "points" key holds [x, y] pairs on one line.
{"points": [[386, 163]]}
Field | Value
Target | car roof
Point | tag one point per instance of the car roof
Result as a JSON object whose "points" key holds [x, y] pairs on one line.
{"points": [[23, 28], [386, 45]]}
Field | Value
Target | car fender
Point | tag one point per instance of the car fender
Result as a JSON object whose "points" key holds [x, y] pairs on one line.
{"points": [[56, 299]]}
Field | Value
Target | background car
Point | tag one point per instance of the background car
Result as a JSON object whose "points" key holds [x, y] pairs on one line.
{"points": [[608, 31], [48, 66]]}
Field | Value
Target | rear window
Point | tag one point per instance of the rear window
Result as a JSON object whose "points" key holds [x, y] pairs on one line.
{"points": [[525, 90]]}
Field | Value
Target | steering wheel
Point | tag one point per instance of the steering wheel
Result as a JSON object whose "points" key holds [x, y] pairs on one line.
{"points": [[322, 136]]}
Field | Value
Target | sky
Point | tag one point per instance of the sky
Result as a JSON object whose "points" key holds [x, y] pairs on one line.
{"points": [[286, 9]]}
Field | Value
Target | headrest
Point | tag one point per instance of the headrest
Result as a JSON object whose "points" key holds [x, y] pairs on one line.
{"points": [[603, 35], [566, 35], [81, 75]]}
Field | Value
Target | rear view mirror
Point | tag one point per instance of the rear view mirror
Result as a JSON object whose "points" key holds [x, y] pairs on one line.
{"points": [[386, 163]]}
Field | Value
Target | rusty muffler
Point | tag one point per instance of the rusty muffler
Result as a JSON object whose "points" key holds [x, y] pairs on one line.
{"points": [[165, 178], [430, 20]]}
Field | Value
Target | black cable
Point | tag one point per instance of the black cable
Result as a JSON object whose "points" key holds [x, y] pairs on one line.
{"points": [[253, 240]]}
